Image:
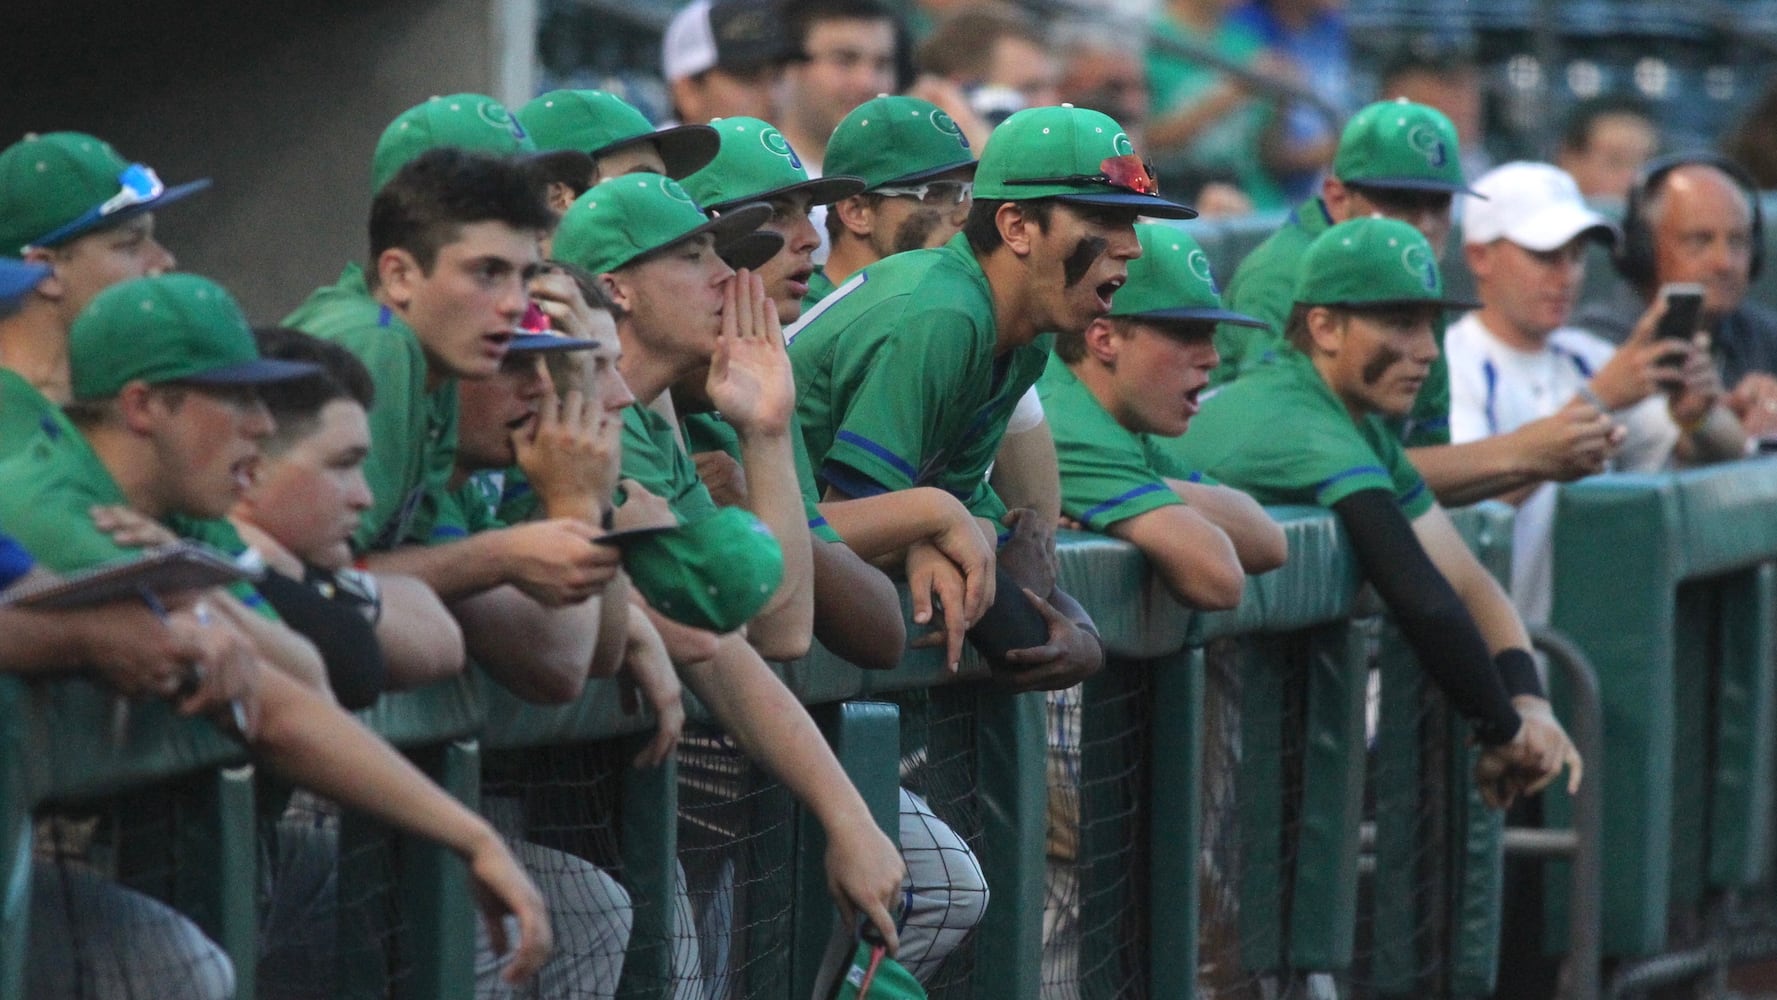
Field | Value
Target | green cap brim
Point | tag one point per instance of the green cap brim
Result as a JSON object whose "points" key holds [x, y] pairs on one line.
{"points": [[684, 149], [921, 175], [728, 227]]}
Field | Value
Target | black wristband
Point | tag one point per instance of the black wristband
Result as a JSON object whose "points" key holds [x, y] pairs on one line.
{"points": [[1493, 734], [1517, 671]]}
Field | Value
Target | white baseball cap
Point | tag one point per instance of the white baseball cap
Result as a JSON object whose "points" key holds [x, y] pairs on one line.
{"points": [[735, 35], [1535, 205]]}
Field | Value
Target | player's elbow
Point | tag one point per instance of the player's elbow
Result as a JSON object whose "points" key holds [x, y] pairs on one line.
{"points": [[784, 648], [1268, 549], [1207, 585]]}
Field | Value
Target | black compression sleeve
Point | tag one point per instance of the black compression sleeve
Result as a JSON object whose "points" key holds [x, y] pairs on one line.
{"points": [[1430, 614], [346, 641]]}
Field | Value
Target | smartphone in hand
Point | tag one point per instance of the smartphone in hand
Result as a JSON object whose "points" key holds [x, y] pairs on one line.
{"points": [[1684, 310]]}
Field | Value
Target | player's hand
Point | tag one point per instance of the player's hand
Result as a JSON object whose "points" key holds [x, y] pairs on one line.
{"points": [[571, 453], [560, 298], [962, 542], [1754, 401], [864, 873], [556, 561], [750, 379], [130, 528], [641, 509], [1533, 759], [938, 590], [1574, 442], [133, 651], [223, 680], [503, 890], [1071, 655], [648, 670], [1029, 555], [723, 476]]}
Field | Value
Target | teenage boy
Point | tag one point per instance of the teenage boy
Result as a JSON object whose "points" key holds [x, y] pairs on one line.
{"points": [[585, 136], [680, 308], [1308, 428], [907, 376], [71, 203]]}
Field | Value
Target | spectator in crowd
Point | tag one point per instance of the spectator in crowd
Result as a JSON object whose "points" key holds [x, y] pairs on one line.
{"points": [[163, 372], [585, 136], [1696, 218], [680, 307], [1604, 144], [1400, 160], [76, 206], [1362, 330], [1443, 76], [1750, 142], [1101, 69], [1515, 360], [997, 55], [1044, 249], [845, 56], [1311, 35], [1205, 126], [1137, 373], [723, 58]]}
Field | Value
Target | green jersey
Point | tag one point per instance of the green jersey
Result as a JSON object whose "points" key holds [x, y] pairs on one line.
{"points": [[1264, 287], [24, 413], [413, 430], [1108, 472], [469, 509], [819, 287], [709, 432], [652, 457], [898, 383], [51, 486], [1281, 435]]}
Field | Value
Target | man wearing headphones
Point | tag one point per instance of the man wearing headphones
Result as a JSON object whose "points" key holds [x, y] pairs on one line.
{"points": [[1695, 218]]}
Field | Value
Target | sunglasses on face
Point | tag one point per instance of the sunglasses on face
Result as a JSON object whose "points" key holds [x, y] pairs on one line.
{"points": [[933, 194], [1129, 172]]}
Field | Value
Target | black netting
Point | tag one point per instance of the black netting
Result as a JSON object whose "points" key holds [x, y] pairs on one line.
{"points": [[731, 921], [939, 765]]}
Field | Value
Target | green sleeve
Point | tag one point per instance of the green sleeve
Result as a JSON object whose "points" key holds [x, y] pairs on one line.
{"points": [[467, 510], [1409, 487], [709, 432], [652, 457], [1106, 476]]}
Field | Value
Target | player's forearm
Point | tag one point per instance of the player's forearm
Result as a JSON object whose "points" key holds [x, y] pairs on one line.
{"points": [[420, 640], [1462, 474], [613, 627], [279, 646], [543, 655], [774, 731], [784, 629], [454, 570], [886, 524], [857, 612], [1718, 439], [1259, 542], [1027, 474]]}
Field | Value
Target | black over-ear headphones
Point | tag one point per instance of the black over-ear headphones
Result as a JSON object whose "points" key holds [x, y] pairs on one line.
{"points": [[1635, 254]]}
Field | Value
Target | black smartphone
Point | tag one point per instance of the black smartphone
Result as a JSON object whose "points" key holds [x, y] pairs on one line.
{"points": [[1684, 310]]}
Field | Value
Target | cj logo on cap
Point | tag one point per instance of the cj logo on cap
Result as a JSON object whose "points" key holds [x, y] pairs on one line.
{"points": [[1417, 260], [1198, 262], [1426, 141], [775, 141], [947, 125], [497, 116], [1122, 145], [671, 189]]}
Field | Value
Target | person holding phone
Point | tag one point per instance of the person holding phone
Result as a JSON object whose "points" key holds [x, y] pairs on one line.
{"points": [[1515, 363]]}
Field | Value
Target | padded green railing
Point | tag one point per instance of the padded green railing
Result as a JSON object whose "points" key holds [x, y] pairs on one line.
{"points": [[1666, 583], [446, 727]]}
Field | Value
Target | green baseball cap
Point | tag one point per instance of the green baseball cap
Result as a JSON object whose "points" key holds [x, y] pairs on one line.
{"points": [[167, 328], [1064, 152], [714, 573], [466, 121], [597, 122], [1172, 280], [621, 218], [755, 162], [897, 140], [1399, 144], [59, 185], [872, 975], [1371, 262]]}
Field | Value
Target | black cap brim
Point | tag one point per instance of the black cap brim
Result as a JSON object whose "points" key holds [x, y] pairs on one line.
{"points": [[257, 372], [821, 191], [728, 227], [1146, 204], [925, 175], [750, 250], [623, 539], [684, 149], [1199, 316], [547, 343], [1448, 305], [1413, 184]]}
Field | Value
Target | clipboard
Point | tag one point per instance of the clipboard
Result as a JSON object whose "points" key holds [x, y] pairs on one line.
{"points": [[168, 569]]}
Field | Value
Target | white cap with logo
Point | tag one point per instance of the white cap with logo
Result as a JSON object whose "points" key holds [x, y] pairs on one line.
{"points": [[1535, 205]]}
